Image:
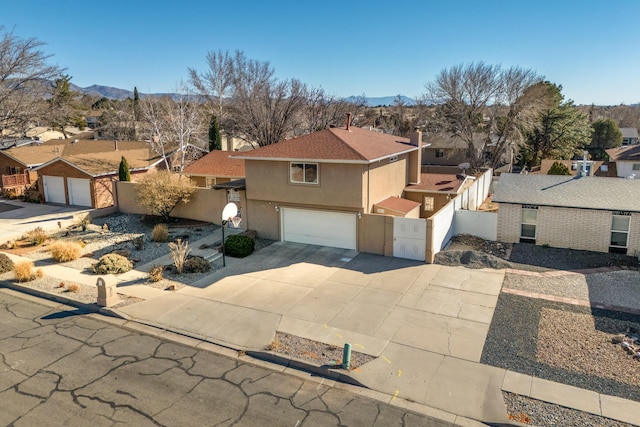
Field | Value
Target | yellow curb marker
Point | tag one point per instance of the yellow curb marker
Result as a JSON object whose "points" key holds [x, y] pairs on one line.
{"points": [[399, 373], [359, 345], [386, 360], [395, 395], [339, 335]]}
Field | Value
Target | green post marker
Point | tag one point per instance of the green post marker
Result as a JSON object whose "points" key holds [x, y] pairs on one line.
{"points": [[346, 356]]}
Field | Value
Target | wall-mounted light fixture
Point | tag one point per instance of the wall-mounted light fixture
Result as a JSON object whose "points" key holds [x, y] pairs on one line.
{"points": [[277, 208], [359, 215]]}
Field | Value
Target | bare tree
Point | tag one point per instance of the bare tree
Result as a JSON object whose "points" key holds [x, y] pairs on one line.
{"points": [[322, 110], [481, 102], [24, 75], [215, 83]]}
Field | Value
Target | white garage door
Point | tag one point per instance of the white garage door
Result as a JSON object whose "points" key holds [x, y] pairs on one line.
{"points": [[54, 189], [322, 228], [79, 192]]}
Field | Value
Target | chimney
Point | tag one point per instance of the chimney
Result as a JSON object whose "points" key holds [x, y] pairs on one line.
{"points": [[415, 157], [115, 144], [348, 121]]}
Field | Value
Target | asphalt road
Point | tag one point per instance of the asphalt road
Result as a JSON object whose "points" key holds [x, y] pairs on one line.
{"points": [[59, 367]]}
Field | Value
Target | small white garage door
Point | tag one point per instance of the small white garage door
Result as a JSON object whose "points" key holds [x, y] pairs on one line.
{"points": [[54, 189], [79, 192], [322, 228]]}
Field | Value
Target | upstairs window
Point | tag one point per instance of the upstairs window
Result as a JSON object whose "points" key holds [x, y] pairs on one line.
{"points": [[304, 173], [439, 152]]}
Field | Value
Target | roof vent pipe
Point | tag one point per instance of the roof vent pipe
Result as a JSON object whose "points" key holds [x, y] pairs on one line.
{"points": [[583, 172], [348, 121]]}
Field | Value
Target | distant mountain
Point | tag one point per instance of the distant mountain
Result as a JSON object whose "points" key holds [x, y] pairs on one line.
{"points": [[383, 100]]}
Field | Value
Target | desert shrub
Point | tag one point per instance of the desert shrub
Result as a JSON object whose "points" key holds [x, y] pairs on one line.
{"points": [[160, 233], [5, 263], [23, 271], [156, 273], [73, 287], [39, 273], [63, 251], [239, 246], [37, 236], [196, 264], [112, 264], [179, 252]]}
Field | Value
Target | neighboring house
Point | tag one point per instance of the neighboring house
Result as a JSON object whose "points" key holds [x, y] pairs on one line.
{"points": [[315, 188], [217, 167], [446, 150], [435, 190], [595, 214], [629, 136], [44, 133], [82, 172], [627, 160], [192, 153], [593, 168]]}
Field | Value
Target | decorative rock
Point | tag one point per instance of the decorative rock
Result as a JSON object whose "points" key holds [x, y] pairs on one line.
{"points": [[123, 252], [107, 295]]}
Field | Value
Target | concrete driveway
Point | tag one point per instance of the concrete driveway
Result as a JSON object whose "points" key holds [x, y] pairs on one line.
{"points": [[17, 217]]}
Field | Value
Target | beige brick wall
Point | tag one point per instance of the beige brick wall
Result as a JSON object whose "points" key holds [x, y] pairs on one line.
{"points": [[567, 228]]}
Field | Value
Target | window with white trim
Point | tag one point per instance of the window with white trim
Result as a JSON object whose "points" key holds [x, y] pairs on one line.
{"points": [[528, 224], [619, 231], [429, 203], [303, 173]]}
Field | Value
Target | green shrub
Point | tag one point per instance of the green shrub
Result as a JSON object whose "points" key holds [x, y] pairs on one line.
{"points": [[196, 264], [5, 263], [63, 251], [112, 264], [239, 246], [160, 233]]}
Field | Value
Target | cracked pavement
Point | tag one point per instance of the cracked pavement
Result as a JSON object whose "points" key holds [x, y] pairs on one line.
{"points": [[61, 366]]}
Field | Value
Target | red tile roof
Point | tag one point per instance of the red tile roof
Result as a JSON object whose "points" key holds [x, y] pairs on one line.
{"points": [[217, 163], [337, 144], [446, 183], [397, 204]]}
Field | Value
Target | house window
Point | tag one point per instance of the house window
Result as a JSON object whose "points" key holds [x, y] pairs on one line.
{"points": [[429, 204], [12, 170], [528, 225], [439, 152], [304, 173], [619, 233], [636, 166]]}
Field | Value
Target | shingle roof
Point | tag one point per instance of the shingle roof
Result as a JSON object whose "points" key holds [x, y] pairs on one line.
{"points": [[217, 163], [629, 153], [571, 192], [397, 204], [629, 132], [447, 183], [597, 165], [335, 144]]}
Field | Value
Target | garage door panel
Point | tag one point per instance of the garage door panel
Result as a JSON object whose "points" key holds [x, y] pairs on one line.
{"points": [[54, 189], [323, 228], [79, 192]]}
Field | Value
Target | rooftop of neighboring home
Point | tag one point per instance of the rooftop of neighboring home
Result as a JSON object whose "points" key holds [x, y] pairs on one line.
{"points": [[570, 192], [601, 168], [333, 145], [438, 182], [96, 157], [217, 163], [629, 132], [629, 153]]}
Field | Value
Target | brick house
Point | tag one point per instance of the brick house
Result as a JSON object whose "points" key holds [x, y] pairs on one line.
{"points": [[596, 214]]}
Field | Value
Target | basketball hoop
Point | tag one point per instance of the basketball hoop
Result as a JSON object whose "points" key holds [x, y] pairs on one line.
{"points": [[235, 221]]}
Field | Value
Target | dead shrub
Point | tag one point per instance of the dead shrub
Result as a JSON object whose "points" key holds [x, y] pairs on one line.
{"points": [[63, 251], [179, 252], [61, 285], [39, 273], [23, 271], [5, 263], [196, 264], [36, 237], [160, 233], [73, 287], [156, 273]]}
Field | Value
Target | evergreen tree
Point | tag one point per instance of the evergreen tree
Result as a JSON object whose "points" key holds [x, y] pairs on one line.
{"points": [[558, 168], [215, 141], [124, 174], [606, 134]]}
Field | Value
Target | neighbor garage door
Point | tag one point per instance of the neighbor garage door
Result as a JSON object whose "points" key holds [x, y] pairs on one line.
{"points": [[79, 192], [323, 228], [54, 189]]}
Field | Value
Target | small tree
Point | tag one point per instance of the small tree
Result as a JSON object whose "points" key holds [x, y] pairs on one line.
{"points": [[606, 134], [215, 142], [124, 174], [558, 168], [161, 192]]}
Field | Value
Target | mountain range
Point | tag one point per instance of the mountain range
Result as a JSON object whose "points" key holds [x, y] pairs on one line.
{"points": [[116, 93]]}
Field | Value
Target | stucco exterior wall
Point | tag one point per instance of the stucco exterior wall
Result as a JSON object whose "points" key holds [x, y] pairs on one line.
{"points": [[375, 234], [583, 229], [439, 201], [104, 191], [262, 217], [452, 157], [384, 179], [340, 185], [625, 169]]}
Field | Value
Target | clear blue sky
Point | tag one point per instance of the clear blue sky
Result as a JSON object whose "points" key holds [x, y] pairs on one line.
{"points": [[376, 48]]}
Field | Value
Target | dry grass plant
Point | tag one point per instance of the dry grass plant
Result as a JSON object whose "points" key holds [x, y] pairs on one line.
{"points": [[156, 273], [73, 287], [36, 237], [39, 273], [179, 252], [23, 271], [63, 251], [160, 233]]}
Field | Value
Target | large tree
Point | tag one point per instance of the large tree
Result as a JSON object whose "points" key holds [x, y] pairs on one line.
{"points": [[24, 76], [606, 134], [560, 132], [484, 103], [215, 140], [322, 110], [63, 110]]}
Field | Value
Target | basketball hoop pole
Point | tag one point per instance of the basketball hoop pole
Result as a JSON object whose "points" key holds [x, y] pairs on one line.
{"points": [[224, 261]]}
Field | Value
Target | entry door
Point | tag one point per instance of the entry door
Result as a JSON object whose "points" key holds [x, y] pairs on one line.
{"points": [[54, 189], [324, 228], [410, 238]]}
